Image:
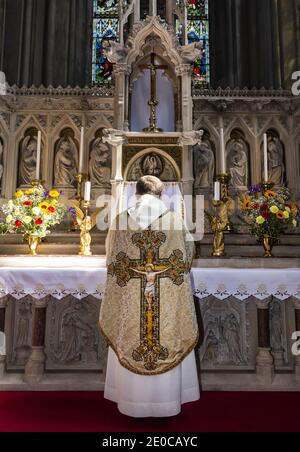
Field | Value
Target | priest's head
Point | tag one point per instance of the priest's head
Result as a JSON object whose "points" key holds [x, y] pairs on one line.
{"points": [[149, 185]]}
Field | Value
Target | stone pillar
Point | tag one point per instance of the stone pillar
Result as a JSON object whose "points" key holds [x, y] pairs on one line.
{"points": [[3, 303], [297, 319], [116, 139], [187, 170], [137, 11], [185, 72], [120, 72], [34, 369], [264, 358], [153, 7]]}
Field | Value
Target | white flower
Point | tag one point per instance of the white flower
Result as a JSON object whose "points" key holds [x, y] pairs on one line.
{"points": [[27, 220], [36, 211], [10, 204], [9, 218], [17, 211]]}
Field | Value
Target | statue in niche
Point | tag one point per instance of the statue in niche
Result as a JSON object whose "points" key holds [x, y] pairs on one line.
{"points": [[66, 163], [276, 161], [1, 161], [100, 164], [24, 314], [27, 166], [78, 334], [204, 164], [276, 327], [152, 165], [237, 162], [231, 331]]}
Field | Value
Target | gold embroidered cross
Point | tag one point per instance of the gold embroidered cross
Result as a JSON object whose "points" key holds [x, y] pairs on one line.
{"points": [[149, 269]]}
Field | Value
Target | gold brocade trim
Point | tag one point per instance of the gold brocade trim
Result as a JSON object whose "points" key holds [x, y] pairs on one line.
{"points": [[156, 372]]}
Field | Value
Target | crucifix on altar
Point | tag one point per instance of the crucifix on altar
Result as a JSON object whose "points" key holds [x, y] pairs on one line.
{"points": [[153, 102]]}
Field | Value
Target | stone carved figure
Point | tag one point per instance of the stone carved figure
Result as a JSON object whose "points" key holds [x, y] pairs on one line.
{"points": [[276, 327], [276, 161], [204, 164], [78, 333], [222, 343], [24, 314], [27, 165], [152, 165], [100, 164], [66, 163], [237, 162]]}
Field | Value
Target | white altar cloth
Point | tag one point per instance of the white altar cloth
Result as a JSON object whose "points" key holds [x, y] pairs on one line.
{"points": [[60, 276]]}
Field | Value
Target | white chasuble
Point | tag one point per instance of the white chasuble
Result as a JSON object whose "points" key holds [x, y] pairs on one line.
{"points": [[148, 314]]}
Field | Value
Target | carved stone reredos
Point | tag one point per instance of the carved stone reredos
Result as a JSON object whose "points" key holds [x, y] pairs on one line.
{"points": [[159, 32]]}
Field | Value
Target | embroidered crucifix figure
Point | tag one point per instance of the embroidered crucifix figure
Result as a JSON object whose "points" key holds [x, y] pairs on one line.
{"points": [[149, 269]]}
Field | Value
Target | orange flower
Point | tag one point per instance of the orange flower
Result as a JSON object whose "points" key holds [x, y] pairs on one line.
{"points": [[247, 204], [294, 209], [270, 194], [280, 215]]}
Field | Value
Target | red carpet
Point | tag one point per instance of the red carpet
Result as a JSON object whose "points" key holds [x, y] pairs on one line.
{"points": [[89, 412]]}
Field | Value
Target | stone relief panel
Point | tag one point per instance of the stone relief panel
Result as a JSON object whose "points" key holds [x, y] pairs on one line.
{"points": [[229, 340], [204, 163], [281, 329], [27, 157], [72, 335], [21, 332], [99, 162], [66, 160], [152, 164], [276, 158], [237, 157]]}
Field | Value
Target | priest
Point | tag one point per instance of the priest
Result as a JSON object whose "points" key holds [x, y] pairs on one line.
{"points": [[148, 315]]}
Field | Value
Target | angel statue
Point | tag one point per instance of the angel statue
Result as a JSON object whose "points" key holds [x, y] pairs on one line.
{"points": [[86, 223], [219, 224]]}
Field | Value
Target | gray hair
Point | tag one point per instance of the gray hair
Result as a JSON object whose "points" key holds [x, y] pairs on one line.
{"points": [[149, 185]]}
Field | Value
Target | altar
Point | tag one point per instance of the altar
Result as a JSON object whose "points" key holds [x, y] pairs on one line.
{"points": [[49, 308]]}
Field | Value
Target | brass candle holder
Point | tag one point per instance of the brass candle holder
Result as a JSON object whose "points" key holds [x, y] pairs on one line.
{"points": [[36, 182], [80, 179], [86, 223]]}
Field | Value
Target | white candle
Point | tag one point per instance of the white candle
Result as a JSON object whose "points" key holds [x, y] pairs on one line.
{"points": [[266, 173], [223, 162], [87, 191], [81, 150], [38, 156], [217, 191]]}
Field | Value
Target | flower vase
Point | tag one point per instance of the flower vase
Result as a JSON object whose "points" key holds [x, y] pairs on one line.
{"points": [[33, 243], [268, 246]]}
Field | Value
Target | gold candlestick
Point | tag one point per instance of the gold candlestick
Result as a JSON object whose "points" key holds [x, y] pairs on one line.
{"points": [[80, 179], [219, 224], [224, 179], [36, 182]]}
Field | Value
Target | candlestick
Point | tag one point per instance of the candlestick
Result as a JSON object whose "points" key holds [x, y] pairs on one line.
{"points": [[80, 178], [38, 156], [87, 191], [81, 150], [266, 173], [217, 191], [223, 161]]}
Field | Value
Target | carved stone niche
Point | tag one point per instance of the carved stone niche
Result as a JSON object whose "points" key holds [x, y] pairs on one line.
{"points": [[27, 157], [282, 325], [100, 161], [20, 332], [229, 334], [65, 165], [73, 341], [204, 164], [238, 160], [276, 158]]}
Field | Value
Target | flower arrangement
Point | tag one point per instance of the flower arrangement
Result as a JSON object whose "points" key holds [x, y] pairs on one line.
{"points": [[269, 213], [33, 212]]}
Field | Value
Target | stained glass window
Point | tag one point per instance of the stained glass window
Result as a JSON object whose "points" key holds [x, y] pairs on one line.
{"points": [[198, 31], [105, 28]]}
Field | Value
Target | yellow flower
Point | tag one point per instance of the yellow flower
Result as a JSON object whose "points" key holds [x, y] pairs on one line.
{"points": [[54, 202], [274, 209], [286, 214], [44, 206], [260, 220], [29, 191], [270, 194], [19, 193], [54, 194], [246, 203], [295, 223], [280, 215]]}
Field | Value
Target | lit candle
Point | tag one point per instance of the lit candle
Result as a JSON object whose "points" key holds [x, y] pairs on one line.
{"points": [[81, 150], [266, 173], [223, 162], [217, 191], [87, 191], [38, 156]]}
